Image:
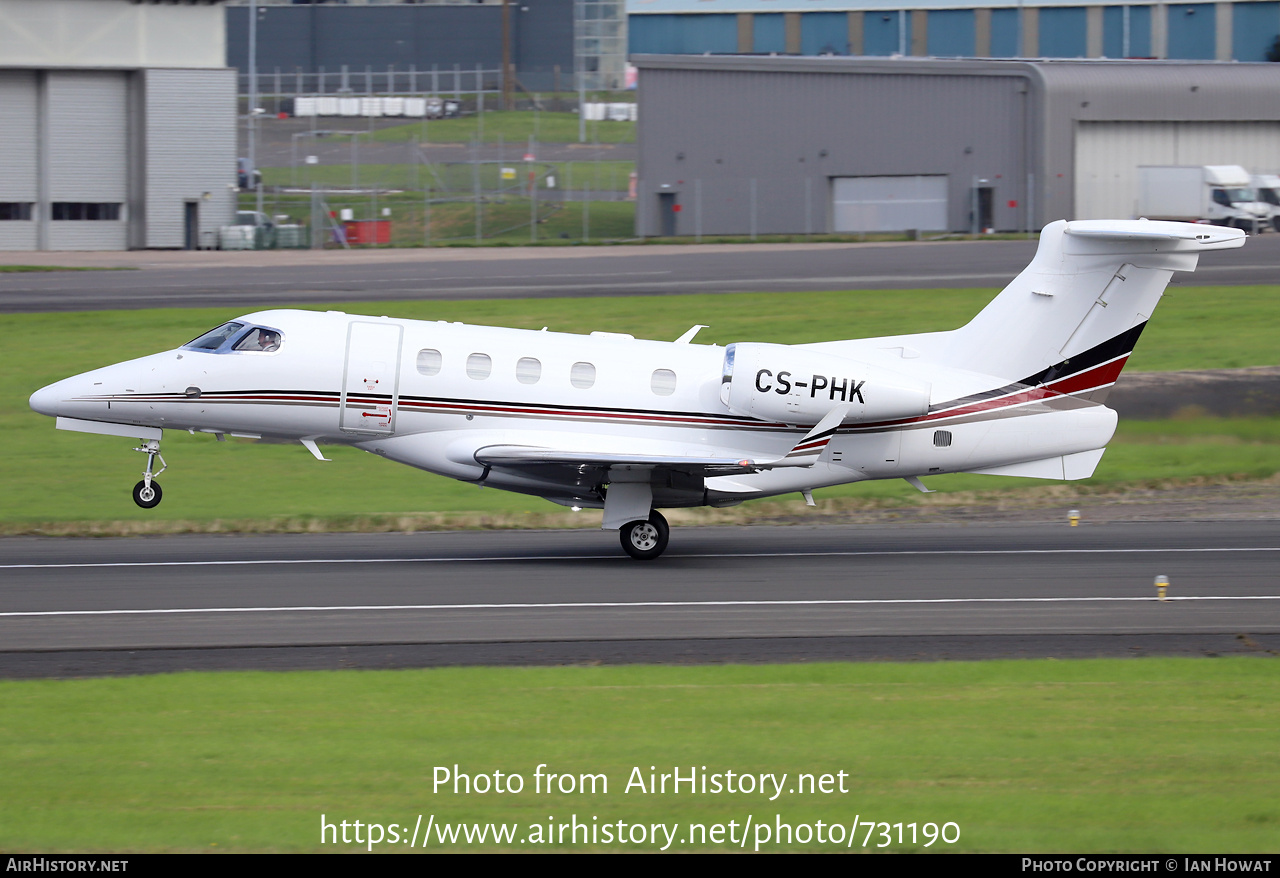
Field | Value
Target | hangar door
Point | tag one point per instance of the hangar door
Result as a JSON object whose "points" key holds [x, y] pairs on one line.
{"points": [[1108, 155], [888, 204], [19, 122], [87, 154]]}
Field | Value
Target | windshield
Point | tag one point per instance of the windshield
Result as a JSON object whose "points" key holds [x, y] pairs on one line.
{"points": [[214, 338], [238, 337], [1235, 196]]}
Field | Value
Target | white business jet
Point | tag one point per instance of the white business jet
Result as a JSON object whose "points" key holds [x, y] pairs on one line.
{"points": [[609, 421]]}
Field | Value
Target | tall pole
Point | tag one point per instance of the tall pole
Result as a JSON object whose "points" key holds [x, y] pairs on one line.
{"points": [[508, 75], [253, 101], [533, 196], [579, 65]]}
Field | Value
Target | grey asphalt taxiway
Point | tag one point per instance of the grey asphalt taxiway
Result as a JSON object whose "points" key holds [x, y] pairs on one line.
{"points": [[261, 279], [71, 607]]}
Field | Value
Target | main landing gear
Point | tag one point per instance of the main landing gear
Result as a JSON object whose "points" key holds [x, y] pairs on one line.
{"points": [[147, 492], [644, 539]]}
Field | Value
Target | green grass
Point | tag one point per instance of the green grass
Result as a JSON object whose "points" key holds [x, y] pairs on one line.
{"points": [[504, 221], [515, 128], [456, 177], [55, 476], [1152, 755]]}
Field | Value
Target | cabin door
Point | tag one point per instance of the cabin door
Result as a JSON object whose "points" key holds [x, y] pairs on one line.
{"points": [[371, 378]]}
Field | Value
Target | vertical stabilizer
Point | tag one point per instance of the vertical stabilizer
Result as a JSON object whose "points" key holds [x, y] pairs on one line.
{"points": [[1073, 316]]}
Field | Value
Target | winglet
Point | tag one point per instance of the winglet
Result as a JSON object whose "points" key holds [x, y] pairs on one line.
{"points": [[809, 448], [688, 336]]}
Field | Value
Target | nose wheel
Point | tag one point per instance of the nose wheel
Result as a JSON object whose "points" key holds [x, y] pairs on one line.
{"points": [[643, 539], [147, 492], [147, 496]]}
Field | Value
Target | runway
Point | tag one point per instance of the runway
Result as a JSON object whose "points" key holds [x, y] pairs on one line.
{"points": [[260, 279], [71, 607]]}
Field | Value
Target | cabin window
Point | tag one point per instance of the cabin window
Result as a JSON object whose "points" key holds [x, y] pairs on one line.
{"points": [[214, 338], [259, 339], [528, 370], [429, 362], [663, 382], [479, 366], [582, 375], [941, 438]]}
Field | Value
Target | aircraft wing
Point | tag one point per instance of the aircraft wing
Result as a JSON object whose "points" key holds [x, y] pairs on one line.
{"points": [[805, 453]]}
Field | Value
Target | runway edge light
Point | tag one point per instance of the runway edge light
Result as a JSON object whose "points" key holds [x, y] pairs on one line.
{"points": [[1074, 517], [1162, 585]]}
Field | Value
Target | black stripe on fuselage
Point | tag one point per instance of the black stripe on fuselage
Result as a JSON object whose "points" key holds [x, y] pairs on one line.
{"points": [[1117, 346]]}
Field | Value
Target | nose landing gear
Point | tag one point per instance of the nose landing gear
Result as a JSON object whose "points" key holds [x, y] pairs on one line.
{"points": [[147, 492]]}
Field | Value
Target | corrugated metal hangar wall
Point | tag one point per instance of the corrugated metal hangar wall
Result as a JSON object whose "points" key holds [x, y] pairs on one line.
{"points": [[742, 145], [313, 37], [117, 125]]}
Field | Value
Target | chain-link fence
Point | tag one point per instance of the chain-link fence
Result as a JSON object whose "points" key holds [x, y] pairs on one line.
{"points": [[493, 192]]}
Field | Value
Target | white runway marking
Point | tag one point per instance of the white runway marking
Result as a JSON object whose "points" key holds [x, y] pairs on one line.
{"points": [[612, 605], [617, 557]]}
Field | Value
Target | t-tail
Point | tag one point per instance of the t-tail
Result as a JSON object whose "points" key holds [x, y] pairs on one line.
{"points": [[1071, 319]]}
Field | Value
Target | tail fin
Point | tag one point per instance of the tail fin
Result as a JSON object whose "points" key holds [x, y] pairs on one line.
{"points": [[1073, 316]]}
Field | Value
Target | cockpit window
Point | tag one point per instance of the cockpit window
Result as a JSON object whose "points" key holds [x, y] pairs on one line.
{"points": [[215, 338], [238, 337], [259, 339]]}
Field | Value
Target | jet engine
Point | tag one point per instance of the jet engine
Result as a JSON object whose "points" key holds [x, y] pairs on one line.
{"points": [[794, 385]]}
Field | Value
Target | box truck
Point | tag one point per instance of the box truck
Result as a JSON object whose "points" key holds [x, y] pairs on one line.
{"points": [[1266, 187], [1218, 194]]}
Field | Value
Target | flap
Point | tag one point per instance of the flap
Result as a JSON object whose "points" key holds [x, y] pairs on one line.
{"points": [[532, 455]]}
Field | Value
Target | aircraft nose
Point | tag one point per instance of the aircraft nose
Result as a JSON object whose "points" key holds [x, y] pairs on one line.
{"points": [[45, 400]]}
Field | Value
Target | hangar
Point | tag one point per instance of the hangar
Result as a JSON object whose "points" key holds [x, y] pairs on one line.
{"points": [[785, 145], [1243, 30], [117, 125]]}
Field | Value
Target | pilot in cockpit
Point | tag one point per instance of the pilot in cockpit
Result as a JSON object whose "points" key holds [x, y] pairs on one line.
{"points": [[265, 340]]}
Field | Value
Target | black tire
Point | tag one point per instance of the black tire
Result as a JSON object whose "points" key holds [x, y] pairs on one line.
{"points": [[645, 540], [1275, 222], [147, 498]]}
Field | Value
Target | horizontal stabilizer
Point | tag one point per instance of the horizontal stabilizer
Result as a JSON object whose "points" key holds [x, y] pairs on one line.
{"points": [[1182, 236]]}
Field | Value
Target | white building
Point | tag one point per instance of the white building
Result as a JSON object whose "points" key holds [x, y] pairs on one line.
{"points": [[117, 124]]}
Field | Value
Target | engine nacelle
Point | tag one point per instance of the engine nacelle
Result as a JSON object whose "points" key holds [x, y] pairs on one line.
{"points": [[778, 382]]}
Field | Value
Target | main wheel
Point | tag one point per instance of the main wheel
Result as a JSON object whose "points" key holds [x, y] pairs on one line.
{"points": [[147, 497], [645, 540]]}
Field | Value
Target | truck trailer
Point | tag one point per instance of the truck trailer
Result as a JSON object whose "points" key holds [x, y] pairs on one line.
{"points": [[1218, 194]]}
